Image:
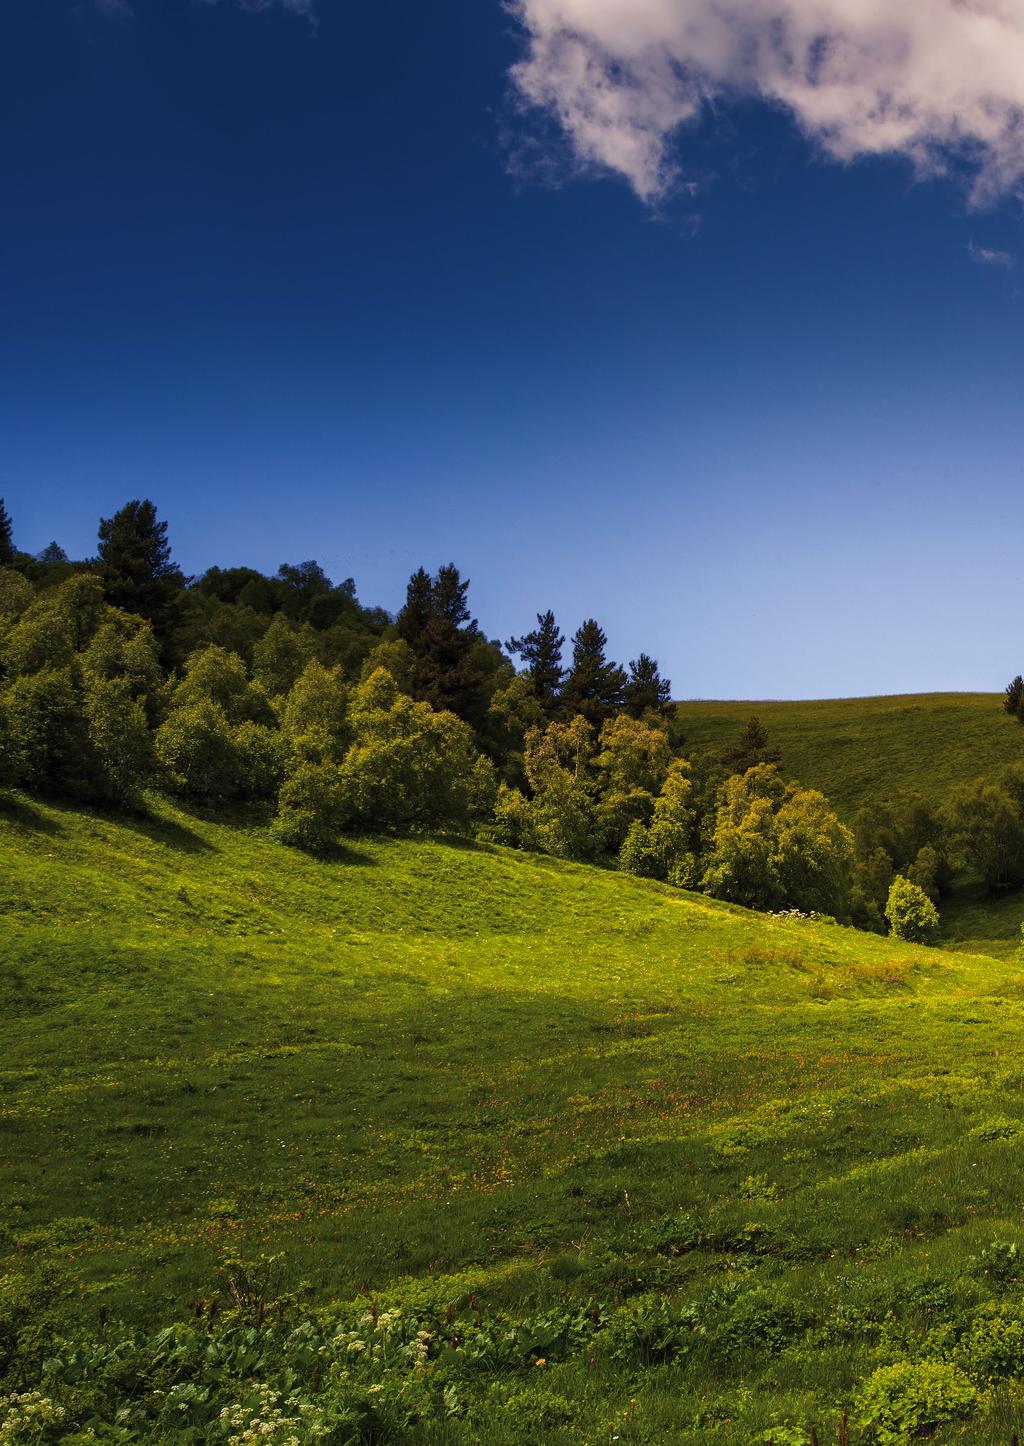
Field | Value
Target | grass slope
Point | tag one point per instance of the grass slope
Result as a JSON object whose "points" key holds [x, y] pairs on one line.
{"points": [[859, 750], [472, 1081]]}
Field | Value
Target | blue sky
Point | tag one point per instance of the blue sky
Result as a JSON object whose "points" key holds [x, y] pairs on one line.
{"points": [[752, 396]]}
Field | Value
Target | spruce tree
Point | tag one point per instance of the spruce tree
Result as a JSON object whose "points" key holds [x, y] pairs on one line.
{"points": [[595, 687], [646, 689], [450, 653], [541, 651], [136, 567], [751, 749], [1014, 696], [8, 555]]}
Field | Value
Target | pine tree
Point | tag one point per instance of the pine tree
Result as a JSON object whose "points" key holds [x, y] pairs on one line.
{"points": [[1014, 697], [595, 687], [136, 567], [751, 749], [8, 554], [541, 651], [412, 620], [646, 689], [450, 653]]}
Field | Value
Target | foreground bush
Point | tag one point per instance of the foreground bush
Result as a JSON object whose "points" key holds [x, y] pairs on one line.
{"points": [[911, 914]]}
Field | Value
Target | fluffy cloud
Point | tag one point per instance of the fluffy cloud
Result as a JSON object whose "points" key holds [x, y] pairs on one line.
{"points": [[940, 82]]}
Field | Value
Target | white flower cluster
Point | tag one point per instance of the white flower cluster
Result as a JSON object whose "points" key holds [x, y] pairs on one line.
{"points": [[24, 1417], [271, 1419]]}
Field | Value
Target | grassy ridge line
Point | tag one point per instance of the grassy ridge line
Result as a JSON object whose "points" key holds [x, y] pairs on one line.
{"points": [[860, 750]]}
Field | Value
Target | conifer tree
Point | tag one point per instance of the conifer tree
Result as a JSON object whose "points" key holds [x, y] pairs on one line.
{"points": [[7, 551], [138, 573], [1014, 697], [595, 686], [751, 749], [541, 651], [449, 650], [646, 689]]}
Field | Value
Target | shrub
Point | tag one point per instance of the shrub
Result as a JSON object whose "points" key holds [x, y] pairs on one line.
{"points": [[899, 1402], [48, 733], [197, 749], [637, 856], [261, 754], [911, 914], [310, 807], [993, 1348], [120, 736], [513, 819]]}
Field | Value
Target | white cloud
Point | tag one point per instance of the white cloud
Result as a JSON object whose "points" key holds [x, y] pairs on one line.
{"points": [[940, 82], [986, 257]]}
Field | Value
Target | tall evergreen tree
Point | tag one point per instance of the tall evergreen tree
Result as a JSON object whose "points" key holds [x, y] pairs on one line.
{"points": [[8, 554], [751, 749], [646, 689], [541, 651], [449, 650], [137, 569], [412, 621], [595, 687], [1014, 697]]}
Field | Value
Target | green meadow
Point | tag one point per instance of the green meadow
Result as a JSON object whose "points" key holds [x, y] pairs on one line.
{"points": [[443, 1142], [860, 750]]}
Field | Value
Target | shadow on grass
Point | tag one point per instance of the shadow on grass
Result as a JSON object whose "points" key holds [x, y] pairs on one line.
{"points": [[23, 815], [162, 830]]}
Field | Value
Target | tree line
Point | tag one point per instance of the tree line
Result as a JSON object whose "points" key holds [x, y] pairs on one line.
{"points": [[119, 675]]}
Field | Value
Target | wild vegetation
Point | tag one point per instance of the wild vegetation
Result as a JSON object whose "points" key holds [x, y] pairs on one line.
{"points": [[455, 1143], [346, 1100]]}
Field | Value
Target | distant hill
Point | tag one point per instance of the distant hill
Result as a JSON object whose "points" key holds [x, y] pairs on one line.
{"points": [[860, 749], [564, 1155]]}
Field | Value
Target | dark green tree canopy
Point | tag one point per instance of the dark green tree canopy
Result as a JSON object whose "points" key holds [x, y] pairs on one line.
{"points": [[595, 687], [541, 651], [454, 666], [139, 575], [646, 689], [1014, 697], [751, 749], [8, 554]]}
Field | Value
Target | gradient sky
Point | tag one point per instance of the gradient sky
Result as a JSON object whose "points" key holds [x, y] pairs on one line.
{"points": [[324, 291]]}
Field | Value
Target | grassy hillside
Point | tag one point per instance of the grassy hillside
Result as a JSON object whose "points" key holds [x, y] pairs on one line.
{"points": [[857, 750], [640, 1166]]}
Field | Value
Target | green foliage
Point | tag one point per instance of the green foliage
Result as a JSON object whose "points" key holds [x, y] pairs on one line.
{"points": [[136, 567], [751, 750], [911, 914], [513, 821], [120, 738], [48, 733], [1014, 696], [541, 651], [16, 593], [595, 687], [900, 1402], [8, 554], [646, 691], [775, 846], [196, 748], [311, 806], [280, 655], [316, 711], [986, 832], [408, 766], [213, 675]]}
